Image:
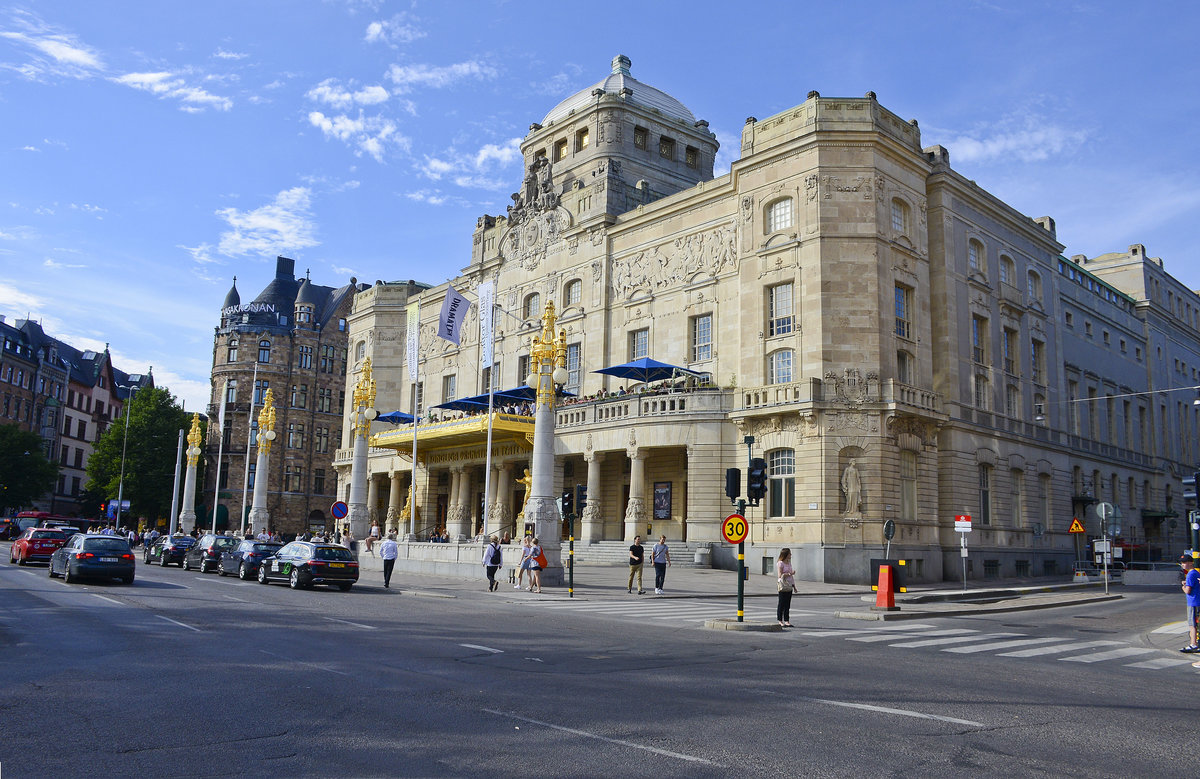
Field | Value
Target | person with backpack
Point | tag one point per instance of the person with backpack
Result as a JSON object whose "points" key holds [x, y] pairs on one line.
{"points": [[492, 560], [537, 561]]}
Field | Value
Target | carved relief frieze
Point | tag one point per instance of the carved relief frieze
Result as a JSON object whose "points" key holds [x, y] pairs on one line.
{"points": [[851, 421], [923, 429], [529, 242], [597, 270], [850, 387], [670, 264], [810, 186], [747, 208]]}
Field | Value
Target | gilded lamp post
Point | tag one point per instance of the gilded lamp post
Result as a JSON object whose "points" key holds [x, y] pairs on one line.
{"points": [[364, 413], [548, 368], [187, 514], [259, 516]]}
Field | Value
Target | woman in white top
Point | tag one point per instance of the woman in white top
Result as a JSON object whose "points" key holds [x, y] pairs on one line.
{"points": [[535, 569], [786, 577]]}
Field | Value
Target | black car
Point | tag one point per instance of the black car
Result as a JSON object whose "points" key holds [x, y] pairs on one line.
{"points": [[205, 554], [167, 549], [102, 557], [246, 558], [305, 563]]}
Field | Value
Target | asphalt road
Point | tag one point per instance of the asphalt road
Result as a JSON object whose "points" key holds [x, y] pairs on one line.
{"points": [[189, 674]]}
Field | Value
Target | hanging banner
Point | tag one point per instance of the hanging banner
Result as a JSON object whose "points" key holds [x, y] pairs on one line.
{"points": [[413, 332], [454, 311], [221, 413], [487, 299]]}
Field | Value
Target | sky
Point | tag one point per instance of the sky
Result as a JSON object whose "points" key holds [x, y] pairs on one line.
{"points": [[150, 151]]}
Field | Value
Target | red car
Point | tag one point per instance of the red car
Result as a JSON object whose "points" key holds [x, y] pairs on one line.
{"points": [[36, 545]]}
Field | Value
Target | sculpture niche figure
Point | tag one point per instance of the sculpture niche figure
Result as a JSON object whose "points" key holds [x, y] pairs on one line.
{"points": [[852, 488]]}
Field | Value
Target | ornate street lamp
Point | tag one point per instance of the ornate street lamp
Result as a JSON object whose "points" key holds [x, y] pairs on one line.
{"points": [[548, 369], [259, 516], [364, 413], [188, 512]]}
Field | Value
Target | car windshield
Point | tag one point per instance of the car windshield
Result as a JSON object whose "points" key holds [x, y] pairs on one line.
{"points": [[107, 544], [47, 534], [333, 553], [267, 548], [224, 543]]}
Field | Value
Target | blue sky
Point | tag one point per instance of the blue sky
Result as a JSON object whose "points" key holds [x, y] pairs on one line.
{"points": [[149, 151]]}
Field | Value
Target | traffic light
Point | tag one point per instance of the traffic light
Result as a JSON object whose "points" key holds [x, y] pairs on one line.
{"points": [[1189, 486], [733, 483], [568, 503], [102, 507], [580, 497], [756, 480]]}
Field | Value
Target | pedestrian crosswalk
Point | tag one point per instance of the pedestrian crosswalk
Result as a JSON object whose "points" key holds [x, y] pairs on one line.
{"points": [[1016, 645], [673, 609]]}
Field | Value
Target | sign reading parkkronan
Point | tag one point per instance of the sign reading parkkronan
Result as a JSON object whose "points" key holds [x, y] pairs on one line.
{"points": [[249, 308]]}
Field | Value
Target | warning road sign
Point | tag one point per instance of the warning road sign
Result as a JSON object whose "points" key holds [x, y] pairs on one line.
{"points": [[735, 528], [1076, 526]]}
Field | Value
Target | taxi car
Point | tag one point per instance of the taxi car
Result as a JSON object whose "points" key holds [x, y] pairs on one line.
{"points": [[205, 554], [305, 563], [245, 559], [167, 549], [36, 545], [98, 556]]}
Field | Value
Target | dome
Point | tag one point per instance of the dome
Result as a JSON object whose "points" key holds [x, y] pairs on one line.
{"points": [[233, 298], [640, 94], [308, 294]]}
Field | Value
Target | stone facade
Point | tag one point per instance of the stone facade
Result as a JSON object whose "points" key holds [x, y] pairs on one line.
{"points": [[291, 339], [892, 336]]}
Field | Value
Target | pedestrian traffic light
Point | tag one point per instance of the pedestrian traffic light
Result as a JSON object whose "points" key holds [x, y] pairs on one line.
{"points": [[733, 483], [568, 503], [756, 480], [580, 497]]}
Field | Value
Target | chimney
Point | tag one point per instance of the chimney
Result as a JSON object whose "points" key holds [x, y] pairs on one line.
{"points": [[285, 268]]}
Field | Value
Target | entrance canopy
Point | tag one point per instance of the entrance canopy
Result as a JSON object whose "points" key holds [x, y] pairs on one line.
{"points": [[515, 395], [646, 370], [396, 418]]}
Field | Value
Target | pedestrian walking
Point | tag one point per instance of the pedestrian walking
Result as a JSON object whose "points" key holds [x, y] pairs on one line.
{"points": [[492, 560], [637, 556], [389, 550], [536, 562], [786, 576], [526, 562], [661, 555], [1191, 591]]}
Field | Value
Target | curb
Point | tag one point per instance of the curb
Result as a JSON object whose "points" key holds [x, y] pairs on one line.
{"points": [[878, 616], [731, 623]]}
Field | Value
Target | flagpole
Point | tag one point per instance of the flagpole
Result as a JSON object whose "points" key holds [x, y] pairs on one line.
{"points": [[220, 454], [412, 490], [412, 335], [249, 430], [488, 354]]}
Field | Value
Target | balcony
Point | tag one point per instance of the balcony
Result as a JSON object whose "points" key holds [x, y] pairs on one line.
{"points": [[1012, 295], [766, 396], [695, 402], [909, 398]]}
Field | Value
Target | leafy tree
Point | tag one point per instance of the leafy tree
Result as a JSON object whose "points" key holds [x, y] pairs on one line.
{"points": [[154, 419], [25, 473]]}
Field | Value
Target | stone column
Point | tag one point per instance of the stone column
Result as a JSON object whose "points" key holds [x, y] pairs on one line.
{"points": [[187, 515], [635, 512], [372, 504], [358, 488], [489, 500], [259, 517], [452, 498], [395, 495], [593, 518], [501, 505], [461, 528]]}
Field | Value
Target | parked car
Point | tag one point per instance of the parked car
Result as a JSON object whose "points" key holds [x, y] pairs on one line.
{"points": [[205, 554], [167, 549], [103, 557], [246, 558], [304, 563], [36, 545]]}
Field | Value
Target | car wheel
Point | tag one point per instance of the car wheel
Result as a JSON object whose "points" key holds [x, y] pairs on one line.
{"points": [[345, 587], [294, 579], [20, 560], [184, 565], [163, 561], [243, 574], [220, 569], [53, 575], [67, 577], [203, 566], [127, 579], [262, 575]]}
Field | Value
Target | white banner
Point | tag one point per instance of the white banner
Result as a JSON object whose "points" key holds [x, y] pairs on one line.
{"points": [[413, 331], [454, 311], [487, 315], [221, 413]]}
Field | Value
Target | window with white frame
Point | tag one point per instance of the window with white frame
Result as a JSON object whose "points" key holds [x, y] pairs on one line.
{"points": [[533, 306], [779, 367], [904, 367], [232, 354], [1008, 273], [975, 257], [573, 293], [981, 392], [781, 483], [264, 351], [779, 215], [900, 216], [449, 388], [574, 370], [231, 391], [979, 339], [780, 316], [701, 337], [1012, 401], [1034, 287], [903, 311], [639, 344]]}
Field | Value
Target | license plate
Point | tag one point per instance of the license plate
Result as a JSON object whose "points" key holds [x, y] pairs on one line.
{"points": [[108, 559], [337, 565]]}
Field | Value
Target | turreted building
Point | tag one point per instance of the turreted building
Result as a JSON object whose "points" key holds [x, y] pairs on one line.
{"points": [[291, 339]]}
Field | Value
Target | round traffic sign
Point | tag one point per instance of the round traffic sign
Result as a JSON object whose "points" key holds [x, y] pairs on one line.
{"points": [[339, 510], [735, 529]]}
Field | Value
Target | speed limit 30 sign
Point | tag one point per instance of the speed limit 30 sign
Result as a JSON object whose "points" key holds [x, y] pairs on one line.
{"points": [[735, 529]]}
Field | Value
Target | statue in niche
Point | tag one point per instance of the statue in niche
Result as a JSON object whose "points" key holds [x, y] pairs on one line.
{"points": [[527, 480], [852, 488]]}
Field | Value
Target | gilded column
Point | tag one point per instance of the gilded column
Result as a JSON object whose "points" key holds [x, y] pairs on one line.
{"points": [[548, 368], [259, 516], [187, 513], [364, 412]]}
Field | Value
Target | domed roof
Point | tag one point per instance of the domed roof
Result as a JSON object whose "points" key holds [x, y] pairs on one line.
{"points": [[233, 298], [640, 94], [308, 294]]}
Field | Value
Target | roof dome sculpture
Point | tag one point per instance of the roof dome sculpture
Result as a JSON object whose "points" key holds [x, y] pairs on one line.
{"points": [[232, 298], [616, 82]]}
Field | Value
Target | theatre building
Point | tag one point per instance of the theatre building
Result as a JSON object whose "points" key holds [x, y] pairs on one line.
{"points": [[899, 343]]}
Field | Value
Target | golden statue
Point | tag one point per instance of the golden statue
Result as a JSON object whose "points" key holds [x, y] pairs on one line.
{"points": [[193, 439], [527, 480], [364, 398], [266, 423]]}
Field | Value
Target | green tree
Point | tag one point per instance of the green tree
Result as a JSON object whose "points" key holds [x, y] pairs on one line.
{"points": [[25, 473], [154, 420]]}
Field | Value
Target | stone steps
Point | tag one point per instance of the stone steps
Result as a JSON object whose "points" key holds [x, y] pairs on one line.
{"points": [[617, 553]]}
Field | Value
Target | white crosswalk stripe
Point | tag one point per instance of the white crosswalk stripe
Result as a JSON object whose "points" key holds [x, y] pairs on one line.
{"points": [[943, 641], [1172, 627], [966, 650], [1050, 650], [1160, 663], [892, 637], [1112, 654], [671, 610]]}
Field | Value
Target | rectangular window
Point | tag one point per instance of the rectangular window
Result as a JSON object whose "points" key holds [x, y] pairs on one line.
{"points": [[1037, 356], [779, 215], [306, 357], [293, 478], [985, 495], [1018, 488], [904, 367], [581, 139], [981, 392], [560, 150], [908, 486], [779, 367], [1008, 345], [701, 337], [318, 481], [1073, 407], [299, 396], [82, 434], [449, 388], [260, 390], [692, 157], [231, 391], [979, 337], [640, 137], [780, 320], [522, 368], [325, 400], [1012, 401], [295, 439], [78, 458], [903, 311], [639, 344], [898, 221], [251, 472], [781, 483], [420, 409], [322, 440], [666, 147], [488, 373], [574, 371]]}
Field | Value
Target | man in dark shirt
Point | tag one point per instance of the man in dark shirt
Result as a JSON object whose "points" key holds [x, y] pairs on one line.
{"points": [[636, 555]]}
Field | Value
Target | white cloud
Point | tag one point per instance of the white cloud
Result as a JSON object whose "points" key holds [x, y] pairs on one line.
{"points": [[1029, 139], [53, 53], [88, 208], [229, 55], [393, 31], [560, 84], [202, 254], [30, 148], [331, 93], [504, 154], [407, 77], [472, 170], [15, 302], [343, 271], [370, 135], [53, 265], [282, 226], [171, 85], [433, 198]]}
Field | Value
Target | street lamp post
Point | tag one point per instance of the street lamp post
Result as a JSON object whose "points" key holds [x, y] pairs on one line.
{"points": [[548, 368], [259, 515], [124, 446], [364, 413], [188, 512]]}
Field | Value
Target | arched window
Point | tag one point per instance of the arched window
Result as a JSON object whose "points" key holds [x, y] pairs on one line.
{"points": [[574, 292], [779, 367], [1008, 271], [908, 486], [781, 484], [533, 306], [264, 351], [1035, 286], [360, 351], [976, 261], [779, 215], [901, 216], [232, 355]]}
